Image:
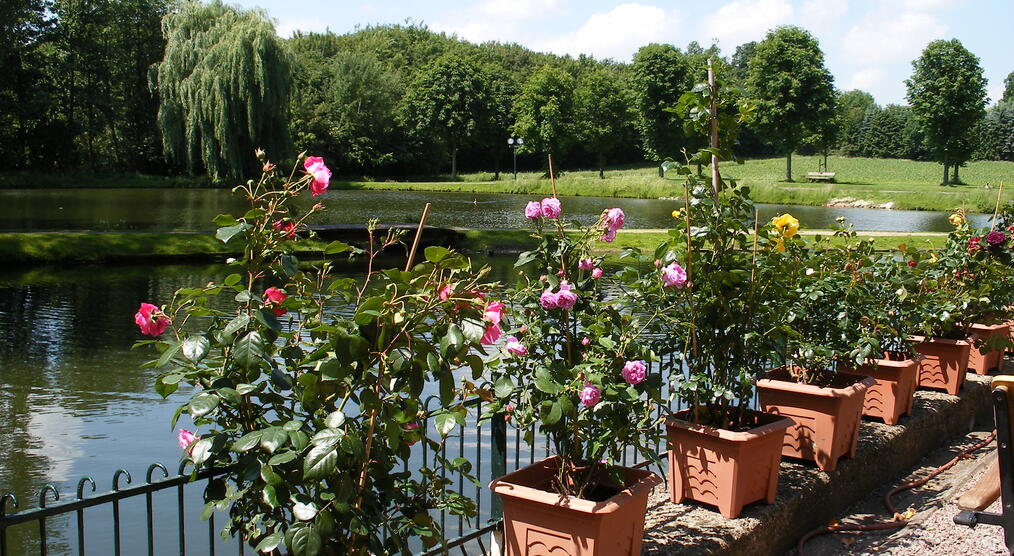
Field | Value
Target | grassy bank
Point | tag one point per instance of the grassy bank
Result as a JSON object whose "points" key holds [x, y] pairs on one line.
{"points": [[71, 248], [72, 180], [906, 183]]}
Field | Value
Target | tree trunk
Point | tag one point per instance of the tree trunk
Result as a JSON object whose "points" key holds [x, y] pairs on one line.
{"points": [[454, 162], [496, 167], [602, 163], [955, 180], [788, 166], [946, 174]]}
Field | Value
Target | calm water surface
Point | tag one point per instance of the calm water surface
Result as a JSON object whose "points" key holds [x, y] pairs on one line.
{"points": [[193, 209]]}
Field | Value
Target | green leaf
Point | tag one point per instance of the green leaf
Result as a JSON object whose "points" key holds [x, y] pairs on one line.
{"points": [[232, 279], [304, 512], [446, 422], [334, 419], [435, 253], [201, 451], [164, 388], [452, 342], [473, 330], [553, 414], [525, 258], [306, 542], [336, 247], [170, 351], [320, 462], [475, 363], [290, 264], [327, 437], [195, 348], [270, 496], [270, 542], [504, 387], [274, 438], [244, 389], [225, 220], [247, 441], [544, 382], [284, 457], [228, 232], [236, 324], [249, 350], [202, 404], [369, 310]]}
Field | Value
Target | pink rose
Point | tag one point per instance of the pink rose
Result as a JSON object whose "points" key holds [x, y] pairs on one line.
{"points": [[586, 264], [585, 341], [186, 439], [613, 219], [658, 263], [912, 263], [674, 275], [286, 226], [523, 329], [151, 320], [551, 207], [596, 273], [634, 371], [273, 297], [608, 237], [533, 209], [509, 408], [549, 300], [590, 395], [493, 312], [446, 292], [314, 166], [514, 347], [565, 299], [491, 335], [409, 430]]}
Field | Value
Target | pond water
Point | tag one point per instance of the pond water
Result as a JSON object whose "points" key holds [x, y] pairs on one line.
{"points": [[193, 209]]}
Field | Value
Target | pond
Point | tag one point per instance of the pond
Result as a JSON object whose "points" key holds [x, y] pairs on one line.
{"points": [[193, 209]]}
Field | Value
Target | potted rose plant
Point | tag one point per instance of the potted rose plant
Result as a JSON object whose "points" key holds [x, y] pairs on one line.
{"points": [[825, 325], [306, 391], [574, 371]]}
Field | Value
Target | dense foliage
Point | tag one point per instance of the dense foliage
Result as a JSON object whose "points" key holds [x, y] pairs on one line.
{"points": [[76, 94]]}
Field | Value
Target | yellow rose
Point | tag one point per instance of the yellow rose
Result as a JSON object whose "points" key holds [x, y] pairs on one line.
{"points": [[787, 225], [678, 213], [780, 245], [957, 219]]}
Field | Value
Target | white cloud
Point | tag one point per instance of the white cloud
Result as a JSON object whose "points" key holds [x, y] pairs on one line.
{"points": [[899, 38], [994, 92], [821, 12], [742, 21], [286, 27], [516, 9], [929, 4], [617, 34], [866, 79]]}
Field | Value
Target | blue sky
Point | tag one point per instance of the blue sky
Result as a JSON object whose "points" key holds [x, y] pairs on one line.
{"points": [[868, 44]]}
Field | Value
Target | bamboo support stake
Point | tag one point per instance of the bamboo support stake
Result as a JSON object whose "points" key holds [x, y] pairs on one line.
{"points": [[996, 211], [716, 179], [552, 180], [418, 236]]}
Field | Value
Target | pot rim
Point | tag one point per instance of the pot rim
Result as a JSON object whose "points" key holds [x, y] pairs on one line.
{"points": [[938, 340], [856, 388], [781, 422], [505, 486]]}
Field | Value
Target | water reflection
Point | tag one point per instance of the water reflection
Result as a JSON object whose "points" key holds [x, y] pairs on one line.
{"points": [[193, 209]]}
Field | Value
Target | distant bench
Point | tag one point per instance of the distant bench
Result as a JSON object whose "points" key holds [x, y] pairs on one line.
{"points": [[820, 176]]}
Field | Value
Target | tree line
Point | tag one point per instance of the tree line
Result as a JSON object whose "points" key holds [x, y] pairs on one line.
{"points": [[161, 87]]}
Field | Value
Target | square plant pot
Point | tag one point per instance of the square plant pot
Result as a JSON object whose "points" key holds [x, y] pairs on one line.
{"points": [[724, 468], [983, 363], [826, 417], [944, 363], [890, 396], [539, 521]]}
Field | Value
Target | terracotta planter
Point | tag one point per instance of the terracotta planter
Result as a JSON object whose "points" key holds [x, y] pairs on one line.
{"points": [[826, 418], [540, 522], [1010, 334], [983, 363], [890, 397], [725, 468], [944, 363]]}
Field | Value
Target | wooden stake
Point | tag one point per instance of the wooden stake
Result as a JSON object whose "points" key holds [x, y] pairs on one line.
{"points": [[418, 236], [996, 211], [716, 178], [552, 180]]}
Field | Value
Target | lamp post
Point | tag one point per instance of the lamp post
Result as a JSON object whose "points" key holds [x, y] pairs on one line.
{"points": [[514, 143]]}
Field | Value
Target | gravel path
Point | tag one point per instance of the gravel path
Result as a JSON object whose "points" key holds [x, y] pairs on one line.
{"points": [[932, 531]]}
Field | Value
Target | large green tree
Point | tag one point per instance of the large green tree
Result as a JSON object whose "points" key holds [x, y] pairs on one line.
{"points": [[450, 103], [947, 93], [544, 112], [852, 107], [25, 97], [659, 75], [1008, 88], [793, 90], [604, 111], [224, 88]]}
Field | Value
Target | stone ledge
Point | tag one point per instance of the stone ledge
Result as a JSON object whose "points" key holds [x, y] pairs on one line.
{"points": [[807, 497]]}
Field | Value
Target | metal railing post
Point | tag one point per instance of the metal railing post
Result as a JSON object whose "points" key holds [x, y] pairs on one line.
{"points": [[498, 468]]}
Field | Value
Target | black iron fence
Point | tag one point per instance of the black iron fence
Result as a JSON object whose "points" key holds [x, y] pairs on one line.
{"points": [[103, 524]]}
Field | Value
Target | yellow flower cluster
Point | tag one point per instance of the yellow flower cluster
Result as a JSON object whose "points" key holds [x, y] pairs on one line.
{"points": [[786, 226], [957, 219], [678, 213]]}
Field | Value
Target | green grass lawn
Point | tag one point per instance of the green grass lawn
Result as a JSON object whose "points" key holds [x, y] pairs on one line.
{"points": [[908, 184]]}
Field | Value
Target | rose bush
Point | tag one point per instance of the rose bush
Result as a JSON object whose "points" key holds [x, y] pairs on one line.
{"points": [[574, 368], [307, 392]]}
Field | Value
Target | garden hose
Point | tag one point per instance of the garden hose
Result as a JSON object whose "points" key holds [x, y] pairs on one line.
{"points": [[900, 519]]}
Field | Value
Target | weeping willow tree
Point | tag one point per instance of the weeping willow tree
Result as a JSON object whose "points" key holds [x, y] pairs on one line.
{"points": [[224, 89]]}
